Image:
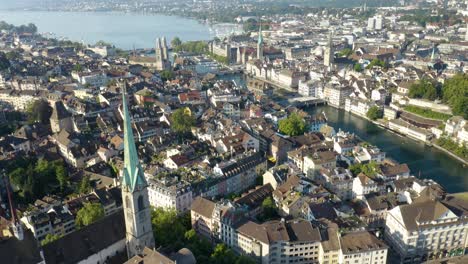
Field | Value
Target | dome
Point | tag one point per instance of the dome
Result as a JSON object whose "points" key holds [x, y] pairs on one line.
{"points": [[184, 256]]}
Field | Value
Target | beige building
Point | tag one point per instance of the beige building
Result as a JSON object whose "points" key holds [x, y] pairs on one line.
{"points": [[428, 228]]}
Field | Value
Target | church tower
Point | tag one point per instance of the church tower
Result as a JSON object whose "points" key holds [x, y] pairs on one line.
{"points": [[139, 233], [16, 226], [328, 54], [260, 44], [165, 54], [159, 52]]}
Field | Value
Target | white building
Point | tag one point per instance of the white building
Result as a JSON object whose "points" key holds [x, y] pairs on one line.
{"points": [[170, 195], [362, 248], [428, 228], [363, 185]]}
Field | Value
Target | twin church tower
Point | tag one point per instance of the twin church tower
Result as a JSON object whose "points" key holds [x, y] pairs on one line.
{"points": [[137, 211]]}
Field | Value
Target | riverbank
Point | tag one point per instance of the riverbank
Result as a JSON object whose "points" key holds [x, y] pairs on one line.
{"points": [[422, 159], [428, 143]]}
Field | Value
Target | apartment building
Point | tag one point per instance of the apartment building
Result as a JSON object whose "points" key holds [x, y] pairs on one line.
{"points": [[168, 194], [428, 228]]}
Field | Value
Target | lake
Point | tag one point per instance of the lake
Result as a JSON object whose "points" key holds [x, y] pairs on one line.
{"points": [[423, 160], [124, 30]]}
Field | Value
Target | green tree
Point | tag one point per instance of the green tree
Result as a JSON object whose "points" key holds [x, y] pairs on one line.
{"points": [[358, 67], [78, 68], [13, 55], [270, 211], [169, 230], [167, 75], [374, 113], [293, 125], [182, 120], [455, 93], [85, 185], [90, 213], [345, 52], [424, 89], [62, 176], [377, 62], [4, 61], [175, 42], [49, 238], [39, 111], [223, 255]]}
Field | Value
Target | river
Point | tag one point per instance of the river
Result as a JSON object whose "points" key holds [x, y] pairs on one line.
{"points": [[428, 161], [124, 30]]}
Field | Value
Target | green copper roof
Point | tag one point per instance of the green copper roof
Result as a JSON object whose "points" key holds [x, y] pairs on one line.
{"points": [[260, 37], [132, 173]]}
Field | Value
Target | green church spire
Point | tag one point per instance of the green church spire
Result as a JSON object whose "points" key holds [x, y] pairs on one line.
{"points": [[132, 172]]}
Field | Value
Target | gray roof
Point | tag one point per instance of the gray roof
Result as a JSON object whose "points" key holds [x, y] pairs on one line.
{"points": [[14, 251], [87, 241]]}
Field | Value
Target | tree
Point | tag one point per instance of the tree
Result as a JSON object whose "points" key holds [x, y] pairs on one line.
{"points": [[345, 52], [169, 230], [293, 125], [376, 62], [223, 255], [374, 113], [182, 120], [270, 211], [4, 61], [455, 93], [358, 67], [167, 75], [424, 89], [62, 176], [39, 111], [90, 213], [175, 42], [85, 185], [460, 107], [49, 238], [78, 68]]}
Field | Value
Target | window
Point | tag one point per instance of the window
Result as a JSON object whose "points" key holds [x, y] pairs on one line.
{"points": [[141, 204]]}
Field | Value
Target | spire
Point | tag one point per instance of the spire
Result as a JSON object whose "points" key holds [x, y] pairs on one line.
{"points": [[132, 171], [15, 223], [260, 37], [433, 54], [330, 39], [158, 43]]}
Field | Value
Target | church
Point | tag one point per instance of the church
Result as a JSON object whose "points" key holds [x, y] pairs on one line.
{"points": [[122, 237]]}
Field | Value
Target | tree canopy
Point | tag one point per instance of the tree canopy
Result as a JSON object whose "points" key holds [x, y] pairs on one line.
{"points": [[166, 75], [49, 238], [293, 125], [90, 213], [175, 42], [370, 169], [182, 120], [39, 111], [173, 231], [374, 113], [455, 93], [192, 46], [36, 178], [4, 61], [377, 62], [424, 89]]}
